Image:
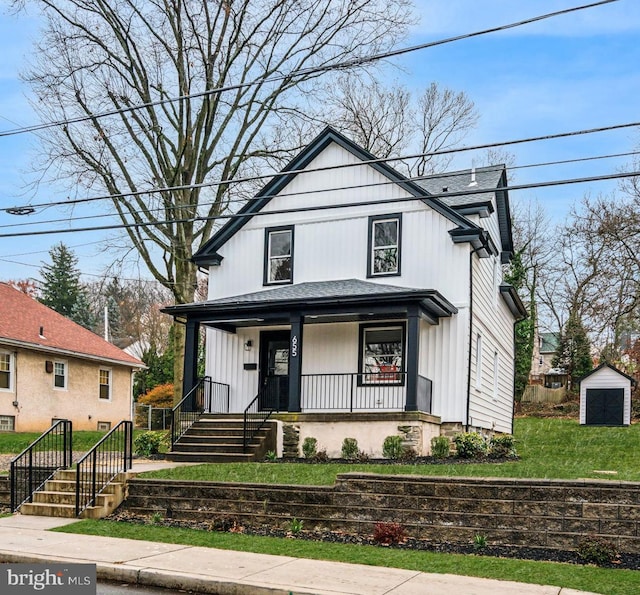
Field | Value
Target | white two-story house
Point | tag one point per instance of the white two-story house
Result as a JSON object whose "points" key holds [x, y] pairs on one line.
{"points": [[348, 301]]}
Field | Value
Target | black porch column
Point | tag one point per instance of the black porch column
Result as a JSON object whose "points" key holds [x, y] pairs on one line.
{"points": [[413, 349], [295, 362], [190, 356]]}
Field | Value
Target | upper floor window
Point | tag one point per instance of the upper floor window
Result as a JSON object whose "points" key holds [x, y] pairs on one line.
{"points": [[278, 266], [105, 384], [384, 245], [6, 371], [59, 374]]}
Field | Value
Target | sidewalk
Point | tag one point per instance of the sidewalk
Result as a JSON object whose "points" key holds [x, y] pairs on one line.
{"points": [[26, 539]]}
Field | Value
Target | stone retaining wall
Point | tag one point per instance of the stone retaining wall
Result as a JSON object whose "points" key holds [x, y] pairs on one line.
{"points": [[543, 513]]}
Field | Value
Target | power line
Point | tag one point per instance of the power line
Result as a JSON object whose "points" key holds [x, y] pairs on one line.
{"points": [[416, 179], [304, 71], [18, 209], [475, 191]]}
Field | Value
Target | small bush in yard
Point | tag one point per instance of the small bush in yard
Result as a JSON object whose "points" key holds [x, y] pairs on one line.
{"points": [[596, 550], [321, 456], [309, 447], [502, 446], [389, 533], [350, 448], [148, 443], [440, 447], [470, 445], [392, 447]]}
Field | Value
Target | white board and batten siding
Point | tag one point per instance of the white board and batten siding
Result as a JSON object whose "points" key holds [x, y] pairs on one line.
{"points": [[332, 244], [492, 347]]}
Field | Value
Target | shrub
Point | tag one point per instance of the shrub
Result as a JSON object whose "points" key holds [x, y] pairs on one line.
{"points": [[309, 447], [148, 443], [271, 456], [392, 447], [470, 445], [479, 541], [596, 550], [502, 446], [159, 396], [350, 448], [321, 456], [295, 525], [440, 447], [408, 453], [389, 533]]}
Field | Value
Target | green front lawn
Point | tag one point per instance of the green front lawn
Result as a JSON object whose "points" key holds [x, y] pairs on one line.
{"points": [[547, 447], [585, 578]]}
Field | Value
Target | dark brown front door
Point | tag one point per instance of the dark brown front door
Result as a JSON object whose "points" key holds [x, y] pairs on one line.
{"points": [[274, 370]]}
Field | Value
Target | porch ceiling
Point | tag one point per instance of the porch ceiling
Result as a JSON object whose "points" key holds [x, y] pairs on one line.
{"points": [[316, 302]]}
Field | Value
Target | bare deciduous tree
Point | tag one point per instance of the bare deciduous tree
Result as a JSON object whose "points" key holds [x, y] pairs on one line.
{"points": [[98, 56]]}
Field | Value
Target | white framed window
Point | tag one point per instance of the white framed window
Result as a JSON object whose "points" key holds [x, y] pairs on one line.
{"points": [[7, 423], [105, 384], [60, 373], [478, 361], [6, 371], [278, 266], [382, 354], [384, 245]]}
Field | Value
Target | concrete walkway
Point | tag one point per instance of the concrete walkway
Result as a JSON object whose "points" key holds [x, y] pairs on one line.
{"points": [[26, 539]]}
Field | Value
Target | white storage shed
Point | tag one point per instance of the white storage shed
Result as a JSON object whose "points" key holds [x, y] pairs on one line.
{"points": [[605, 397]]}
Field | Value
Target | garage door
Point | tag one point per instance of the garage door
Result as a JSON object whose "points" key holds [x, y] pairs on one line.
{"points": [[605, 406]]}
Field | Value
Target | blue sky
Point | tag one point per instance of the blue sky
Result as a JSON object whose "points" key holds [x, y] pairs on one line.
{"points": [[573, 72]]}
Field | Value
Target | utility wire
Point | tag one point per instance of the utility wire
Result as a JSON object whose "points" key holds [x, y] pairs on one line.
{"points": [[615, 176], [303, 71], [19, 210], [416, 180]]}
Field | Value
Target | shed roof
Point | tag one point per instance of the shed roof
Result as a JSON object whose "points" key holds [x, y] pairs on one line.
{"points": [[611, 367]]}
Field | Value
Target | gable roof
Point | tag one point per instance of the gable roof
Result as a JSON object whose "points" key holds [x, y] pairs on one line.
{"points": [[611, 367], [467, 231], [22, 318]]}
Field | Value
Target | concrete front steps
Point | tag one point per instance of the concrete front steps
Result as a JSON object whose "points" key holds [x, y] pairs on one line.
{"points": [[215, 439], [57, 498]]}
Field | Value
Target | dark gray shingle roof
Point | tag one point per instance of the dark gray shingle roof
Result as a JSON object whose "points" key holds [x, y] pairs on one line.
{"points": [[461, 181]]}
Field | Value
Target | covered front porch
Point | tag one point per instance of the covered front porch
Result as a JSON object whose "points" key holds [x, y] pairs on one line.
{"points": [[338, 346]]}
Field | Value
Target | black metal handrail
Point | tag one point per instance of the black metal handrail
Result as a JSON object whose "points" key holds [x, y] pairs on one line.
{"points": [[254, 420], [206, 395], [39, 461], [96, 469]]}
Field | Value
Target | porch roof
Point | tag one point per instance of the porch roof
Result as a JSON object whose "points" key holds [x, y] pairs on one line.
{"points": [[338, 300]]}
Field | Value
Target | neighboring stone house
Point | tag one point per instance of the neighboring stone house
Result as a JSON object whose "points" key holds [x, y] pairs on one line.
{"points": [[52, 368], [352, 302]]}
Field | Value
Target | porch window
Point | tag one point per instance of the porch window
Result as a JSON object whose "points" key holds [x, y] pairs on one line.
{"points": [[6, 369], [382, 354], [59, 375], [278, 255], [384, 245], [105, 384]]}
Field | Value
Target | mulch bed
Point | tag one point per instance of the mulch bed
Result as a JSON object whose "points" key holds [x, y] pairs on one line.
{"points": [[622, 560]]}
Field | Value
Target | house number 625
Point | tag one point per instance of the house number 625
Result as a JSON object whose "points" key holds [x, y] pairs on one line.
{"points": [[294, 346]]}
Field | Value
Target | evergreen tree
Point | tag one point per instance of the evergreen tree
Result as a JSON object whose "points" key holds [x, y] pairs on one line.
{"points": [[574, 350], [61, 280], [524, 329], [81, 312]]}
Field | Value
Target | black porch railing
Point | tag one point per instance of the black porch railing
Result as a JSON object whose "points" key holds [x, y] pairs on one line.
{"points": [[258, 412], [109, 457], [39, 461], [354, 392], [206, 396]]}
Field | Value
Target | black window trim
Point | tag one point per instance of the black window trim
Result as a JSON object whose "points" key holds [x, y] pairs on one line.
{"points": [[370, 261], [267, 232], [361, 332]]}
